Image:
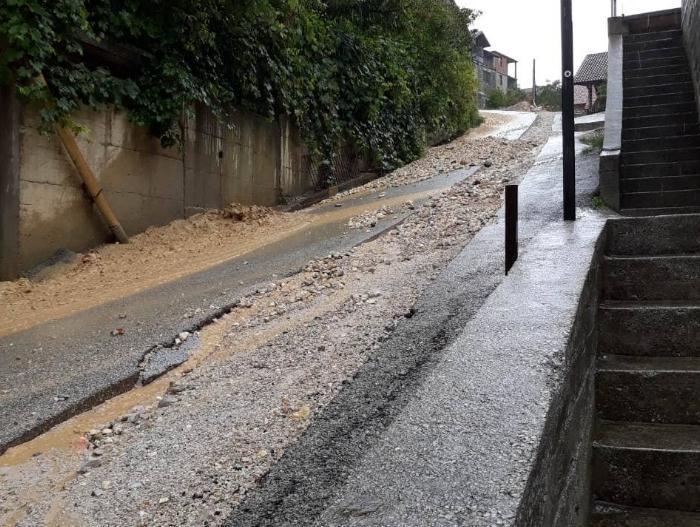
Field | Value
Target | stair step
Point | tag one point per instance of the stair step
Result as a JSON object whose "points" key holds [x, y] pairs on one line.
{"points": [[690, 153], [659, 89], [649, 278], [653, 236], [656, 80], [647, 465], [659, 99], [646, 121], [669, 198], [653, 36], [663, 169], [659, 211], [661, 184], [648, 389], [660, 50], [679, 59], [656, 71], [684, 107], [661, 143], [649, 329], [657, 43], [609, 515], [669, 130]]}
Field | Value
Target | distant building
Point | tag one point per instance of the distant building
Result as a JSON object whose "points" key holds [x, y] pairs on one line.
{"points": [[492, 68], [591, 75]]}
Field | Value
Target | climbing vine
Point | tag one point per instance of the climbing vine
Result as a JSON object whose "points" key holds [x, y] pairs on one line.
{"points": [[383, 75]]}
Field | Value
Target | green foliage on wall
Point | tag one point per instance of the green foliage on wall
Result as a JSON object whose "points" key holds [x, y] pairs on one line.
{"points": [[382, 75]]}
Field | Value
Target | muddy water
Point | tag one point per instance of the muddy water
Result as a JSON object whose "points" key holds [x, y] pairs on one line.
{"points": [[63, 296], [50, 462]]}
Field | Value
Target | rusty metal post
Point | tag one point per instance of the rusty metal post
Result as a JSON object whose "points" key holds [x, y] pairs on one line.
{"points": [[511, 226]]}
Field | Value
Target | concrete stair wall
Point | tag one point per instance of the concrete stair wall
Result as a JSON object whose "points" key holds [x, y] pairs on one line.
{"points": [[660, 161], [646, 449]]}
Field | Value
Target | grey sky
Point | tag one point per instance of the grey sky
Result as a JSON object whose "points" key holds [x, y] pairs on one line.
{"points": [[527, 29]]}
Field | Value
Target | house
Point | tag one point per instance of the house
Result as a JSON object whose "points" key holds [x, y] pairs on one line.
{"points": [[591, 75], [492, 68], [582, 103]]}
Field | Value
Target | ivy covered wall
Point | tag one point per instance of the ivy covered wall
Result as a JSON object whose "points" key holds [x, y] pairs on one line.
{"points": [[381, 75]]}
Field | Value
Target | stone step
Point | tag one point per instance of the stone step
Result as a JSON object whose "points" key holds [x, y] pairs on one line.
{"points": [[656, 80], [648, 389], [659, 99], [658, 51], [670, 155], [668, 130], [656, 43], [610, 515], [660, 89], [651, 278], [654, 22], [679, 59], [659, 211], [646, 121], [683, 107], [663, 169], [649, 329], [669, 69], [671, 198], [660, 143], [647, 465], [660, 184], [653, 36], [653, 236]]}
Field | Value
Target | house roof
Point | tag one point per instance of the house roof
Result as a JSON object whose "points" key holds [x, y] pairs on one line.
{"points": [[498, 53], [593, 69], [480, 39]]}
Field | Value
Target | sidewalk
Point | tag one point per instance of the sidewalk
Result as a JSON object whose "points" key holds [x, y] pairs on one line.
{"points": [[434, 435]]}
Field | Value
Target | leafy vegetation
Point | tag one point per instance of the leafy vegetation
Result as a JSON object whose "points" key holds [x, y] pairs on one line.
{"points": [[498, 99], [381, 75], [549, 96], [594, 141]]}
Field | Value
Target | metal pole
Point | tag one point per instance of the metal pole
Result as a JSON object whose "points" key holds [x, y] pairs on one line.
{"points": [[534, 84], [511, 226], [567, 110]]}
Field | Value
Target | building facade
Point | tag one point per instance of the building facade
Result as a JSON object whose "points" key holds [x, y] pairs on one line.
{"points": [[492, 68]]}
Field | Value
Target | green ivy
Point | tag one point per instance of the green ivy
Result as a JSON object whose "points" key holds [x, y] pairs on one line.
{"points": [[384, 76]]}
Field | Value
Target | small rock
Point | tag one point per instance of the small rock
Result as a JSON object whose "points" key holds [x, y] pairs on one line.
{"points": [[166, 401], [161, 501], [184, 335], [488, 163], [97, 493]]}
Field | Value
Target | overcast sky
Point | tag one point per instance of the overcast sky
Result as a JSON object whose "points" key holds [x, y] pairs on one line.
{"points": [[527, 30]]}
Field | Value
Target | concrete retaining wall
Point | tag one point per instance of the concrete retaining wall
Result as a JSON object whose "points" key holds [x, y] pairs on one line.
{"points": [[247, 160], [691, 30]]}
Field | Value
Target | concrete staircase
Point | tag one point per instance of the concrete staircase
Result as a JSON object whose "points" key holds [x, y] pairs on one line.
{"points": [[646, 449], [660, 162]]}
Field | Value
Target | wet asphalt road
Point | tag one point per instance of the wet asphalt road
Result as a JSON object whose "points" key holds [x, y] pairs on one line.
{"points": [[58, 369]]}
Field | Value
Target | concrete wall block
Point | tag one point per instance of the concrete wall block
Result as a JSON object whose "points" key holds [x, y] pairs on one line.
{"points": [[219, 163], [120, 132], [54, 217], [10, 121], [138, 172], [138, 212]]}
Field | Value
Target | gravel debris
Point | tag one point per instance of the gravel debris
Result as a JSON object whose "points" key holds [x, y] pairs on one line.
{"points": [[273, 363]]}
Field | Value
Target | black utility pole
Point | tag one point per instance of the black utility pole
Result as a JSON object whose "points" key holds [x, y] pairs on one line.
{"points": [[534, 83], [567, 110]]}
